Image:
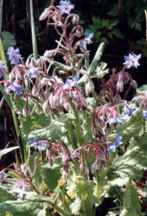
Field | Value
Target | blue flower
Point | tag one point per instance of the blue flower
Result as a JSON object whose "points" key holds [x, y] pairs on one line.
{"points": [[87, 40], [39, 144], [14, 56], [65, 6], [32, 72], [132, 60], [145, 115], [2, 69], [114, 120], [15, 88], [129, 110], [71, 82], [88, 36], [117, 142]]}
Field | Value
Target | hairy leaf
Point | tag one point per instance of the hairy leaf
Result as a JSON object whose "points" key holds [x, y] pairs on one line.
{"points": [[131, 203]]}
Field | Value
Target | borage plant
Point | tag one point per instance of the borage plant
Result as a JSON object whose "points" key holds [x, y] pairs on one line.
{"points": [[80, 144]]}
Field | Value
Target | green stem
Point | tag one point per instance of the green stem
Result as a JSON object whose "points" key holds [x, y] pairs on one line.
{"points": [[15, 123], [70, 135], [78, 126], [2, 53], [17, 130], [34, 41]]}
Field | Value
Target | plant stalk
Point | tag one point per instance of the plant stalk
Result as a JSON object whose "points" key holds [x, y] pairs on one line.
{"points": [[34, 41], [2, 53]]}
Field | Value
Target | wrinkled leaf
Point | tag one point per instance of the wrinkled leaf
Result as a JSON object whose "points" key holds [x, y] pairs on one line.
{"points": [[8, 39]]}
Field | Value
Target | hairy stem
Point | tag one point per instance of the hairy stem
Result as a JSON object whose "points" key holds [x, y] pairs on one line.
{"points": [[34, 41], [2, 53]]}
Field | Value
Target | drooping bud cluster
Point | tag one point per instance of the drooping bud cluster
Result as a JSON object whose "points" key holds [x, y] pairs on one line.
{"points": [[104, 115], [61, 97]]}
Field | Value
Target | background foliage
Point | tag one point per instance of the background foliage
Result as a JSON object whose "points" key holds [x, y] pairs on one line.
{"points": [[120, 23]]}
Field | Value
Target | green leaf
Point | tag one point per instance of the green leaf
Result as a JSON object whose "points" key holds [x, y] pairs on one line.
{"points": [[131, 202], [4, 195], [8, 39], [84, 190], [132, 164], [20, 208], [55, 131], [42, 212], [75, 206], [131, 128], [32, 123], [142, 88], [96, 59], [47, 177]]}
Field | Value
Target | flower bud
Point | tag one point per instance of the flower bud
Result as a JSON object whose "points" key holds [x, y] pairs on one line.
{"points": [[89, 87], [120, 83], [75, 20], [44, 14], [120, 86]]}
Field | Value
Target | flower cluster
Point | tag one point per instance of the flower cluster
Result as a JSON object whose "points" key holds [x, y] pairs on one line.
{"points": [[104, 115], [61, 97]]}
